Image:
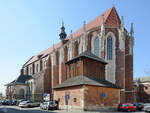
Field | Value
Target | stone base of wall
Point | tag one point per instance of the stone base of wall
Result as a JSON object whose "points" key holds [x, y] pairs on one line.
{"points": [[103, 109], [65, 107], [100, 109]]}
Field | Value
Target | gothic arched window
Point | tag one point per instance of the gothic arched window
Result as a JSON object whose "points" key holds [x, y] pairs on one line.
{"points": [[109, 48], [97, 47], [37, 68]]}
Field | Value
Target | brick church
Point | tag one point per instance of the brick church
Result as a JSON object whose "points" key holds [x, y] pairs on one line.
{"points": [[92, 67]]}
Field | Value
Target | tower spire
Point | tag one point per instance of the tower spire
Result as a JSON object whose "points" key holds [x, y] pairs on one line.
{"points": [[63, 34], [102, 19], [71, 34], [102, 26], [84, 36], [132, 30], [122, 23], [53, 47]]}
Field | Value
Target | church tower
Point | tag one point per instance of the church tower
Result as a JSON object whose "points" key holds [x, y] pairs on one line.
{"points": [[63, 34]]}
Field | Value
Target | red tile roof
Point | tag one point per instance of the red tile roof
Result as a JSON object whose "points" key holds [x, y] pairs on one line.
{"points": [[111, 18]]}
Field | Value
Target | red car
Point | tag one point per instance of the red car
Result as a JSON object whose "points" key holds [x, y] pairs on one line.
{"points": [[126, 107]]}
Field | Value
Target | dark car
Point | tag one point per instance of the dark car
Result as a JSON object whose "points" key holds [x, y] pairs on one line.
{"points": [[5, 102], [139, 106], [126, 107]]}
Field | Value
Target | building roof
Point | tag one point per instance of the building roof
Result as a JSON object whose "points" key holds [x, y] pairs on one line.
{"points": [[142, 79], [85, 80], [88, 55], [20, 80], [111, 18]]}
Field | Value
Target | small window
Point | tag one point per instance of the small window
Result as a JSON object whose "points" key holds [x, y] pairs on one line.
{"points": [[37, 67], [71, 66], [78, 64], [75, 99], [30, 70]]}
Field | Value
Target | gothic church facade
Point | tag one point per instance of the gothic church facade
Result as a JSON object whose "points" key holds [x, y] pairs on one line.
{"points": [[105, 37]]}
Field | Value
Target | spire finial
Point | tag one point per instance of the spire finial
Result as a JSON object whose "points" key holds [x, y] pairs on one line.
{"points": [[62, 23], [53, 47], [102, 19], [84, 25], [122, 23], [131, 31], [71, 34]]}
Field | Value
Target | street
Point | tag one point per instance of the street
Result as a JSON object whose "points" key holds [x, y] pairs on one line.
{"points": [[15, 109]]}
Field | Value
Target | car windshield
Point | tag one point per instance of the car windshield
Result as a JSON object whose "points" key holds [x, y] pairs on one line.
{"points": [[130, 104], [24, 102], [52, 102]]}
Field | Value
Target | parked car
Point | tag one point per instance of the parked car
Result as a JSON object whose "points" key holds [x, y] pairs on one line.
{"points": [[126, 107], [29, 103], [49, 105], [21, 100], [146, 107], [139, 106], [44, 105], [5, 102]]}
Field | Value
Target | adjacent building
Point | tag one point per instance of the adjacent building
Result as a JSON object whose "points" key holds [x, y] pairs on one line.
{"points": [[142, 89]]}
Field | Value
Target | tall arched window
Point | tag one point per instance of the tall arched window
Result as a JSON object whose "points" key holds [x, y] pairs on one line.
{"points": [[97, 47], [76, 52], [109, 48], [37, 68]]}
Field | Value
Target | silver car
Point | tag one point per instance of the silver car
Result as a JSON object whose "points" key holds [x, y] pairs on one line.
{"points": [[146, 107], [29, 103]]}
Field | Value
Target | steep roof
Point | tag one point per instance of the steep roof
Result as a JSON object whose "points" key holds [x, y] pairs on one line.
{"points": [[111, 18], [20, 80], [85, 80], [88, 55]]}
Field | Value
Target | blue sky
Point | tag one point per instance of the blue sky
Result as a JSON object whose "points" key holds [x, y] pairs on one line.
{"points": [[28, 27]]}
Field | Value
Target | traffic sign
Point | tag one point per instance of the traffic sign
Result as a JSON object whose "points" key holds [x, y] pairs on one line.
{"points": [[67, 97], [103, 94]]}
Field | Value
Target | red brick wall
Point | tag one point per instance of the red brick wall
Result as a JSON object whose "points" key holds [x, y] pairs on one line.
{"points": [[94, 100], [74, 92], [87, 97]]}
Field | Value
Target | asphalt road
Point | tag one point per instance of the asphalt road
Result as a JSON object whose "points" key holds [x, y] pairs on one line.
{"points": [[15, 109]]}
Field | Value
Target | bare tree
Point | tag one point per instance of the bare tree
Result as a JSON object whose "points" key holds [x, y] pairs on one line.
{"points": [[10, 92]]}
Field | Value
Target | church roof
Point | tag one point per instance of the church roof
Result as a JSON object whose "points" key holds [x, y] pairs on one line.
{"points": [[20, 80], [85, 80], [88, 55], [111, 18]]}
